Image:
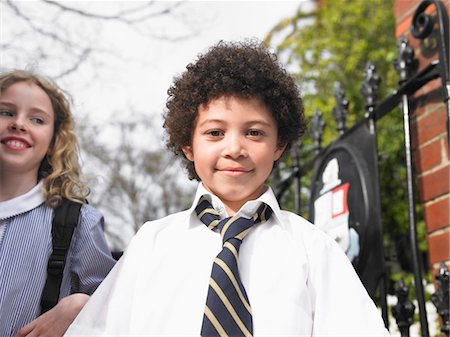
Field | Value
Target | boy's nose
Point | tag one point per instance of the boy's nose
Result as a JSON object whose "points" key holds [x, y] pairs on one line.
{"points": [[235, 147]]}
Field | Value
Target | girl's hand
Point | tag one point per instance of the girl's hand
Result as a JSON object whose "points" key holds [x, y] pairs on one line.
{"points": [[55, 322]]}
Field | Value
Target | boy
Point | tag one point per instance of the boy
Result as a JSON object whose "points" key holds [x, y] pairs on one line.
{"points": [[231, 115]]}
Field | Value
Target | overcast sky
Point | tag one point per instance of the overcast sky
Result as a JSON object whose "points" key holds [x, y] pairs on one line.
{"points": [[134, 71], [142, 78]]}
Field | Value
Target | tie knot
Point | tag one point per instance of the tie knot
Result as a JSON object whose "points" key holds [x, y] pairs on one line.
{"points": [[232, 227]]}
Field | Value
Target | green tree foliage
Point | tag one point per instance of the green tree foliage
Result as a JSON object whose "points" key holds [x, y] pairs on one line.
{"points": [[333, 43]]}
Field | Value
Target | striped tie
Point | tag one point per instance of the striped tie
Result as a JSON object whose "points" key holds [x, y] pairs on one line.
{"points": [[228, 311]]}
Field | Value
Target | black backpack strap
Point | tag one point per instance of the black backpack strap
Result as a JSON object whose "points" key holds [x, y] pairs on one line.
{"points": [[64, 222]]}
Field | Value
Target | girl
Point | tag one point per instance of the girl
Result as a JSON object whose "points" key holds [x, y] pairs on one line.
{"points": [[38, 167]]}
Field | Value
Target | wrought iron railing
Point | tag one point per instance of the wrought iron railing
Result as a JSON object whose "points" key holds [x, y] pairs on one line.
{"points": [[424, 26]]}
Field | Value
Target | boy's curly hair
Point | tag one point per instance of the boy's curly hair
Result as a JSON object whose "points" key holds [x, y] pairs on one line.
{"points": [[244, 69], [60, 168]]}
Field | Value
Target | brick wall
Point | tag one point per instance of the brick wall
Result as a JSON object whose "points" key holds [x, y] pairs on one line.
{"points": [[429, 141]]}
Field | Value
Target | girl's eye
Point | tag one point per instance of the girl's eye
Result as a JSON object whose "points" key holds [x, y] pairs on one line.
{"points": [[254, 133], [6, 113], [37, 120]]}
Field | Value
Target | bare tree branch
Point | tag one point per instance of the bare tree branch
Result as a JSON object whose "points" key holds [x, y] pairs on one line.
{"points": [[134, 182], [54, 35], [122, 16], [81, 59], [29, 21]]}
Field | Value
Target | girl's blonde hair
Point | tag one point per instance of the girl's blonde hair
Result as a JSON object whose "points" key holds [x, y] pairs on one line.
{"points": [[60, 168]]}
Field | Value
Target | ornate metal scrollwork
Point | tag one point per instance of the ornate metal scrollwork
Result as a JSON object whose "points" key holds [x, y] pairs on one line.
{"points": [[369, 88], [340, 110], [318, 125], [403, 311], [440, 298], [404, 64], [424, 25]]}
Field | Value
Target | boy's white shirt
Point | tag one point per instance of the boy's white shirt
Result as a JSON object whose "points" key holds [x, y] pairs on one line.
{"points": [[298, 280]]}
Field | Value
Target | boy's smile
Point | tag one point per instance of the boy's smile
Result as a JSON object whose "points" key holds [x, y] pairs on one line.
{"points": [[234, 147]]}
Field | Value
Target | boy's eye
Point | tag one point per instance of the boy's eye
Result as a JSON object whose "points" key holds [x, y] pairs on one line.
{"points": [[6, 113], [215, 133], [254, 133]]}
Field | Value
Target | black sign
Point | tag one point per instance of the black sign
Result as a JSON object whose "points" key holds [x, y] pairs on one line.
{"points": [[345, 201]]}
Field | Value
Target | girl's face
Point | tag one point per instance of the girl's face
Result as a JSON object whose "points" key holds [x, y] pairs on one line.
{"points": [[26, 129]]}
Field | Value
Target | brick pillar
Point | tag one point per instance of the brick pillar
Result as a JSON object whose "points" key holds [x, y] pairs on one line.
{"points": [[429, 141]]}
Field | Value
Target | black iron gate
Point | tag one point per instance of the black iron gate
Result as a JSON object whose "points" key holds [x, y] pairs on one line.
{"points": [[344, 192]]}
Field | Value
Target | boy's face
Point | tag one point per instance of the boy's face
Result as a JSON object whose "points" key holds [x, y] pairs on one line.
{"points": [[234, 147]]}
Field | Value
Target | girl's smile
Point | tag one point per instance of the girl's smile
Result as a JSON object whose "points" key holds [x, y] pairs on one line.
{"points": [[15, 143]]}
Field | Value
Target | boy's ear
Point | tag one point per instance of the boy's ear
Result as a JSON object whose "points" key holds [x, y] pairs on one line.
{"points": [[187, 150], [279, 151]]}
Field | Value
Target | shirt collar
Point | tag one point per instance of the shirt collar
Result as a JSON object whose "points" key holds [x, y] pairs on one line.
{"points": [[23, 203], [247, 210]]}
